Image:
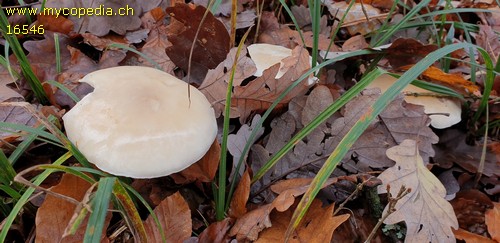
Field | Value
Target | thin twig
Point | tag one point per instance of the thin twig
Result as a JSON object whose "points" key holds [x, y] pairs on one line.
{"points": [[391, 208]]}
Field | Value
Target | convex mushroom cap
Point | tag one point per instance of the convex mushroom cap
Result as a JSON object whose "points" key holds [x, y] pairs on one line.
{"points": [[266, 55], [139, 122]]}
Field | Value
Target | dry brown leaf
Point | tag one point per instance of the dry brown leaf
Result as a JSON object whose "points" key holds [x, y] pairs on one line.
{"points": [[406, 51], [202, 171], [289, 189], [467, 236], [6, 93], [216, 232], [102, 43], [236, 143], [46, 63], [249, 225], [470, 206], [157, 42], [488, 40], [212, 41], [356, 18], [318, 225], [214, 87], [453, 149], [428, 217], [453, 81], [238, 206], [175, 219], [56, 24], [252, 223], [355, 43], [259, 94], [53, 216], [492, 220]]}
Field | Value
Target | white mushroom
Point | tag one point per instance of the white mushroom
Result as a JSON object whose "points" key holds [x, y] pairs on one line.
{"points": [[139, 122], [443, 112], [266, 55]]}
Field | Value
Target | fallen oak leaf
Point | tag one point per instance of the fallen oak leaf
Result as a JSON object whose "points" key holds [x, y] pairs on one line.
{"points": [[175, 220], [248, 226], [428, 217], [317, 226], [260, 93], [492, 220], [212, 41]]}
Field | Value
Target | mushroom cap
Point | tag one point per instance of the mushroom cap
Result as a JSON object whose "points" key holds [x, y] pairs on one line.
{"points": [[266, 55], [138, 122]]}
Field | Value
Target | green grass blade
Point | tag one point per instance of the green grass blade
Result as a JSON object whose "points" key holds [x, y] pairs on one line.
{"points": [[150, 210], [220, 201], [131, 212], [64, 89], [7, 223], [41, 133], [346, 97], [360, 126], [266, 114], [58, 53], [18, 51], [390, 31], [121, 46], [100, 205], [7, 172]]}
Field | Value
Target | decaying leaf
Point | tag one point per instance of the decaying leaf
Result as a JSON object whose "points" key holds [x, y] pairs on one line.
{"points": [[212, 43], [236, 143], [238, 208], [53, 216], [428, 217], [318, 225], [467, 236], [259, 94], [492, 220], [175, 219], [249, 225], [216, 232], [7, 93], [360, 18], [406, 51], [214, 87]]}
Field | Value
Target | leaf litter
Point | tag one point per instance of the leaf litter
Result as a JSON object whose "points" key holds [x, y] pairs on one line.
{"points": [[261, 211]]}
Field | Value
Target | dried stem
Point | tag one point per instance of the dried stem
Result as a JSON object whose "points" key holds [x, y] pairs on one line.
{"points": [[391, 208]]}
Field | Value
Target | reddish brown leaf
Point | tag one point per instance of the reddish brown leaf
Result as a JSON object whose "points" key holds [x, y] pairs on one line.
{"points": [[216, 232], [289, 189], [175, 220], [261, 92], [238, 204], [467, 236], [53, 216], [56, 24], [405, 51], [204, 170], [212, 43], [253, 222], [318, 225], [470, 207], [249, 225], [492, 220]]}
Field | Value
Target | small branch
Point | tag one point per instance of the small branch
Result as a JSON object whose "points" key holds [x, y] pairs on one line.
{"points": [[391, 208]]}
